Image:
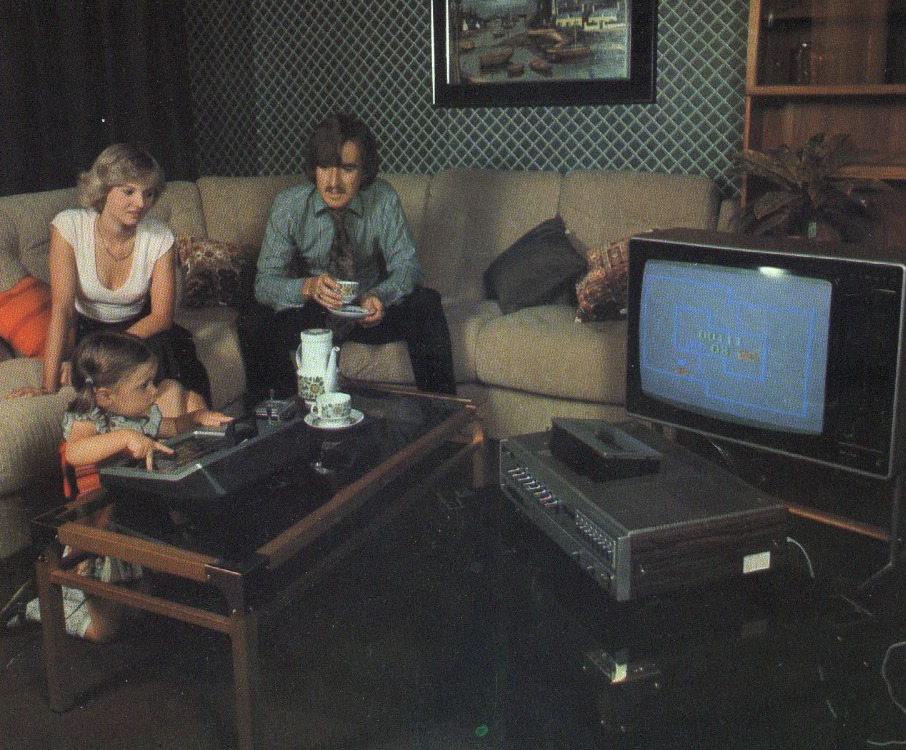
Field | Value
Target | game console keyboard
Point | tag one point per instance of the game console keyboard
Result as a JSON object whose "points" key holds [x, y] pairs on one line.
{"points": [[209, 463]]}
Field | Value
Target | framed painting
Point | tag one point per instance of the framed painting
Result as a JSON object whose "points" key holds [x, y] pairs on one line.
{"points": [[543, 52]]}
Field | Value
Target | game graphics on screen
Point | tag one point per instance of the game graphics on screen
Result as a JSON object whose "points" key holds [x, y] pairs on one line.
{"points": [[724, 343]]}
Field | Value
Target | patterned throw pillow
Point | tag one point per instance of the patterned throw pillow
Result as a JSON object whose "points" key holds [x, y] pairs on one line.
{"points": [[216, 273], [602, 291]]}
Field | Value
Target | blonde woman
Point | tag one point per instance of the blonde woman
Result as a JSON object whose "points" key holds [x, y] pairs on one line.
{"points": [[114, 268]]}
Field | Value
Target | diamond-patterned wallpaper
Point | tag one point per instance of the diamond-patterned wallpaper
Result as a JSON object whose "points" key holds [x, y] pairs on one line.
{"points": [[265, 71]]}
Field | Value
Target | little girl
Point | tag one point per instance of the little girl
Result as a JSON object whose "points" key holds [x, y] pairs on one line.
{"points": [[117, 410]]}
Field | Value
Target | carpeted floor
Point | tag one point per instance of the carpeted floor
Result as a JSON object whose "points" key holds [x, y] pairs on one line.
{"points": [[457, 629]]}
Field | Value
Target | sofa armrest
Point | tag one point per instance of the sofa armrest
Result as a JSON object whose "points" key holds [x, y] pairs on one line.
{"points": [[30, 428], [728, 218]]}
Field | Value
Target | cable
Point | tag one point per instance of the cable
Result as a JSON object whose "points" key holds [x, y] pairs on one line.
{"points": [[808, 560], [890, 650]]}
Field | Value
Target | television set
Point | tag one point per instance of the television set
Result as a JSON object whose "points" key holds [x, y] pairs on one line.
{"points": [[777, 344]]}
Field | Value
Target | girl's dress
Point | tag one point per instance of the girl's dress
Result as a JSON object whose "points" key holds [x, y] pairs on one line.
{"points": [[103, 568]]}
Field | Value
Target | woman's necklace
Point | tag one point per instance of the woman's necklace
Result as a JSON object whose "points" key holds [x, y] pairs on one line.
{"points": [[118, 254]]}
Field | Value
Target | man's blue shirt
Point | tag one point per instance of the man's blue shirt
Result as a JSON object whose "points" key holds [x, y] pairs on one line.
{"points": [[300, 226]]}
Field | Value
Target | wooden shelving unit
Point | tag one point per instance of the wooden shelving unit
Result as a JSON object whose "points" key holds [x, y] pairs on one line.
{"points": [[829, 66]]}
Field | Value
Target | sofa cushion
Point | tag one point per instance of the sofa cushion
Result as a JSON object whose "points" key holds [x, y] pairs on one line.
{"points": [[215, 273], [600, 205], [389, 363], [412, 189], [213, 330], [11, 270], [25, 316], [601, 293], [472, 216], [541, 350], [535, 269], [236, 208]]}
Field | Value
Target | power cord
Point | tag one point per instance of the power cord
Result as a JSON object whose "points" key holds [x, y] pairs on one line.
{"points": [[808, 560], [890, 649]]}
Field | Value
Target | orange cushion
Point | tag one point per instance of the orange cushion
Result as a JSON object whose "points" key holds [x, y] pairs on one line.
{"points": [[86, 477], [25, 316]]}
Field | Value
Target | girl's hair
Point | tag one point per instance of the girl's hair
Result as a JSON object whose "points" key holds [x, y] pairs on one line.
{"points": [[117, 165], [101, 360]]}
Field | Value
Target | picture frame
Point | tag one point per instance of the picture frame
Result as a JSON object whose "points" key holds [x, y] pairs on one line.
{"points": [[518, 53]]}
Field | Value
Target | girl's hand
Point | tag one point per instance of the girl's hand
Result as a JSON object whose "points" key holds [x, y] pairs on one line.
{"points": [[208, 418], [139, 445]]}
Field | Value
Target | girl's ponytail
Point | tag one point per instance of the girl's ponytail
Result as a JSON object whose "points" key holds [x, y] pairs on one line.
{"points": [[84, 400], [101, 360]]}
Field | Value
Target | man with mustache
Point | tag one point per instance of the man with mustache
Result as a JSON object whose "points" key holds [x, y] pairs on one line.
{"points": [[345, 223]]}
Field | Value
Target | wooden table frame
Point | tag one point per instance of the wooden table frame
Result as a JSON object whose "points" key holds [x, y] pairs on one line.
{"points": [[237, 583]]}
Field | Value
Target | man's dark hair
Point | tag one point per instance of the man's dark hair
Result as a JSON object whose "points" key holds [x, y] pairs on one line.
{"points": [[326, 144]]}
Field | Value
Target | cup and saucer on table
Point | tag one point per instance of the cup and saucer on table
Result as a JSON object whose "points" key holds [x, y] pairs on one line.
{"points": [[333, 411], [349, 293]]}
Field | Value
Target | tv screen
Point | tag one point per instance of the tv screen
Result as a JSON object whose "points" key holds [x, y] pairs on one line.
{"points": [[765, 343]]}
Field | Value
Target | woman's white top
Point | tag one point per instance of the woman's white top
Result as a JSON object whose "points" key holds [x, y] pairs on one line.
{"points": [[94, 300]]}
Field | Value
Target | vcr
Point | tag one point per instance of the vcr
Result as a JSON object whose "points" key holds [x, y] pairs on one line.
{"points": [[687, 523]]}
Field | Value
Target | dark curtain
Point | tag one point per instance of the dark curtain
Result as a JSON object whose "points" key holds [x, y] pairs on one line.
{"points": [[78, 75]]}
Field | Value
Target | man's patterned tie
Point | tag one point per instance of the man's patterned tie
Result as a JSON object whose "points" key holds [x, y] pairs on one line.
{"points": [[340, 264]]}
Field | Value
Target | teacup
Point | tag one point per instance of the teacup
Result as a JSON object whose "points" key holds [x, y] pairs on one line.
{"points": [[349, 290], [332, 408]]}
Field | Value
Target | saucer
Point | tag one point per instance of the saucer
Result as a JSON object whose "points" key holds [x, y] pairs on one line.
{"points": [[355, 416], [354, 312]]}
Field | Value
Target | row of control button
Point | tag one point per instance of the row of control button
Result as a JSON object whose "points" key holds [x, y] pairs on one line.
{"points": [[591, 532], [522, 477]]}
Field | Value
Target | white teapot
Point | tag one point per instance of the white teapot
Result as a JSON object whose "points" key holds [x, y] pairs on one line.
{"points": [[316, 363]]}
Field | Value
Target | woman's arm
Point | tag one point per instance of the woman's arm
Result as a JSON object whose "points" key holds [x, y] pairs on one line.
{"points": [[61, 331], [163, 298]]}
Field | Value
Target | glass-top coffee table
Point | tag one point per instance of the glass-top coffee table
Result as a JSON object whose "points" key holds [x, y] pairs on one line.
{"points": [[229, 562]]}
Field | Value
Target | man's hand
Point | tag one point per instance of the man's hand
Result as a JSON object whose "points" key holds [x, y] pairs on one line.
{"points": [[323, 290], [372, 303]]}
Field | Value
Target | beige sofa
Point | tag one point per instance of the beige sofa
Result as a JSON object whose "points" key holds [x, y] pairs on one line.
{"points": [[521, 369]]}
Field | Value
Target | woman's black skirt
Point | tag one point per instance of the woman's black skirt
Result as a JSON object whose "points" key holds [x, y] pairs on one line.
{"points": [[174, 349]]}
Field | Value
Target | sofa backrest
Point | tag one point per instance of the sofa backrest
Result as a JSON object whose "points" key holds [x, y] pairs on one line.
{"points": [[600, 207], [475, 214], [25, 225], [236, 208], [461, 219]]}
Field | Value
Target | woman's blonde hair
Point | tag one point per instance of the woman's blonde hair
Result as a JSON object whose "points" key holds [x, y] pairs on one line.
{"points": [[117, 165], [101, 360]]}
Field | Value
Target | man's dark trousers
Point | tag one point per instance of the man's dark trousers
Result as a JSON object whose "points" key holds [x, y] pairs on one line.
{"points": [[417, 319]]}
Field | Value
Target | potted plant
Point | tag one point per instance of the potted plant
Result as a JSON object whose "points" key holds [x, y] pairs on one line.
{"points": [[808, 197]]}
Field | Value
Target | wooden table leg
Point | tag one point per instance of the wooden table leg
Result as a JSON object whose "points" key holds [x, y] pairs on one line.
{"points": [[53, 628], [246, 677], [480, 459]]}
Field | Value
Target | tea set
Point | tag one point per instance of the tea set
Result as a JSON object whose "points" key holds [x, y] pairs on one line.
{"points": [[316, 373]]}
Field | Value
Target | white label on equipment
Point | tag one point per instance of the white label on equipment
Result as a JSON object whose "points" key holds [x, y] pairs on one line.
{"points": [[755, 562]]}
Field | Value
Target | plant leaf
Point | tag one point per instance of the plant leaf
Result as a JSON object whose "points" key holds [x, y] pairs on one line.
{"points": [[775, 201]]}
